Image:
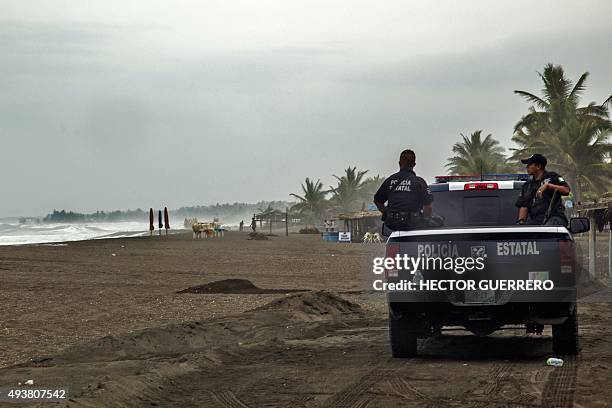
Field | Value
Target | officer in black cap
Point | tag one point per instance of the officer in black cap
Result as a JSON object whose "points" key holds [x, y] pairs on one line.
{"points": [[540, 199], [407, 196]]}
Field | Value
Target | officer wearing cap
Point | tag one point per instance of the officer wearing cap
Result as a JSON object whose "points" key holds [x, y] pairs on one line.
{"points": [[540, 201], [407, 196]]}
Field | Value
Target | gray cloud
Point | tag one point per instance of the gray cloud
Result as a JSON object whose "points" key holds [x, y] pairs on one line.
{"points": [[103, 117]]}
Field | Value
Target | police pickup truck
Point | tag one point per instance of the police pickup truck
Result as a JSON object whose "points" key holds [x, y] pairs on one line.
{"points": [[519, 275]]}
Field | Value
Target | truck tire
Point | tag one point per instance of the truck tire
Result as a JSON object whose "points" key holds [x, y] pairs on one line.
{"points": [[403, 334], [565, 335]]}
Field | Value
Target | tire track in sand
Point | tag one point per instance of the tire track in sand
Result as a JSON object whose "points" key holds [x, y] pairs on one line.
{"points": [[499, 373], [561, 385], [355, 395], [227, 399]]}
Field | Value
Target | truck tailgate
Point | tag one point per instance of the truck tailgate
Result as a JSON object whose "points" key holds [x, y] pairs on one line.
{"points": [[507, 254]]}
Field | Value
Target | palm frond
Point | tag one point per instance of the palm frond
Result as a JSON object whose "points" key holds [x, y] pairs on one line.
{"points": [[536, 100], [579, 87]]}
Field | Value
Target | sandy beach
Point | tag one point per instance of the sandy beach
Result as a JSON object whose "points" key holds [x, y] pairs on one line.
{"points": [[104, 318]]}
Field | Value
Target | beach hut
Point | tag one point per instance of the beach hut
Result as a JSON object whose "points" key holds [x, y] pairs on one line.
{"points": [[600, 216], [272, 217], [360, 222]]}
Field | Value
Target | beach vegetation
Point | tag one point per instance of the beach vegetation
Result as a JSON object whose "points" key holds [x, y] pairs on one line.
{"points": [[348, 194], [574, 138], [475, 155], [312, 202]]}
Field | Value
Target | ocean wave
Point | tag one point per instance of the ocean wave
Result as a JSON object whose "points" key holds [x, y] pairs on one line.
{"points": [[21, 234], [7, 227]]}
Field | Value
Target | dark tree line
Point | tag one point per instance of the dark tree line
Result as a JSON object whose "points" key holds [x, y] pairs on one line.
{"points": [[225, 211], [64, 216]]}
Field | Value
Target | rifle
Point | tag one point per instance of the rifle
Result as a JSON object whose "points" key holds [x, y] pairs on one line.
{"points": [[551, 206]]}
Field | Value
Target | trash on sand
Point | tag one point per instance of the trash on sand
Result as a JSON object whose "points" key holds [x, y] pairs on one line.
{"points": [[555, 362], [114, 254], [29, 382]]}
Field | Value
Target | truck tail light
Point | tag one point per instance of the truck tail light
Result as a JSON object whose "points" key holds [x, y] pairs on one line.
{"points": [[391, 251], [566, 256], [481, 186]]}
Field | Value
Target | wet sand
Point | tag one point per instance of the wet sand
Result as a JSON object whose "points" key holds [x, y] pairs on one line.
{"points": [[114, 329]]}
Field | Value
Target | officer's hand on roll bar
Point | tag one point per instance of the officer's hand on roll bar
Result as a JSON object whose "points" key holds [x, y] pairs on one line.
{"points": [[563, 190], [542, 189]]}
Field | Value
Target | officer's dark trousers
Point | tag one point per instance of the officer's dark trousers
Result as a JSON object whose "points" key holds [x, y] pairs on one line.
{"points": [[554, 220]]}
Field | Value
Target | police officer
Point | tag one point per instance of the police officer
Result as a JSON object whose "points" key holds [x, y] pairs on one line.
{"points": [[407, 196], [537, 194]]}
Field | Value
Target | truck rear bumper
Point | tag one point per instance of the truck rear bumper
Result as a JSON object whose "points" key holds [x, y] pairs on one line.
{"points": [[501, 298], [444, 313]]}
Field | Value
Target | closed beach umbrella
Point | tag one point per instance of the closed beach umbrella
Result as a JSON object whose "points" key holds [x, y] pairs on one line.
{"points": [[159, 219], [151, 221], [166, 220]]}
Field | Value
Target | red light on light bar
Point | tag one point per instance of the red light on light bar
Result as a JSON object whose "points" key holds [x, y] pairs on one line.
{"points": [[481, 186]]}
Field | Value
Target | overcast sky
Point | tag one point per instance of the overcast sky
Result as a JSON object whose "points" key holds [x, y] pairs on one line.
{"points": [[140, 103]]}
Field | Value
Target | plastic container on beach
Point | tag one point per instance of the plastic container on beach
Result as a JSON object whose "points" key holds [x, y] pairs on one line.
{"points": [[330, 236], [555, 362]]}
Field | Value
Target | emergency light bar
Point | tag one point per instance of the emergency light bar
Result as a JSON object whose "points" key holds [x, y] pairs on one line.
{"points": [[481, 177]]}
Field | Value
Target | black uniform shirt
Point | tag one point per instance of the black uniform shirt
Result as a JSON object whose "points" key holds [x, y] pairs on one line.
{"points": [[404, 191], [537, 206]]}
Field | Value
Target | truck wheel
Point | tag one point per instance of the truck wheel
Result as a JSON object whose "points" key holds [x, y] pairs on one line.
{"points": [[403, 334], [565, 335]]}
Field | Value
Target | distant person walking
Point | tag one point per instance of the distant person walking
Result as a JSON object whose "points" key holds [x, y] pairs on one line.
{"points": [[241, 227], [253, 224]]}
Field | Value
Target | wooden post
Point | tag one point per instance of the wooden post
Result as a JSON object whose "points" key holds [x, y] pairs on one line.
{"points": [[610, 253], [593, 250], [287, 222]]}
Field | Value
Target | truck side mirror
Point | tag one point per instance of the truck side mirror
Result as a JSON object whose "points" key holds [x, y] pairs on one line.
{"points": [[579, 224]]}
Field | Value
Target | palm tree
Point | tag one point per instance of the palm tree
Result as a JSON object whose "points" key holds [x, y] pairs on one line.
{"points": [[312, 202], [269, 211], [369, 187], [476, 156], [574, 139], [580, 152], [347, 195], [559, 101]]}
